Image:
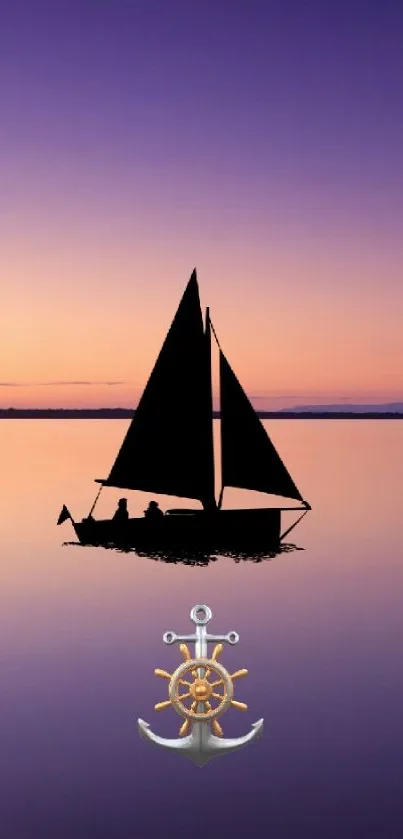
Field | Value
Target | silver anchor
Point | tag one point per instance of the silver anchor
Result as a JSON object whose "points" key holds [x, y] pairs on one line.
{"points": [[204, 742]]}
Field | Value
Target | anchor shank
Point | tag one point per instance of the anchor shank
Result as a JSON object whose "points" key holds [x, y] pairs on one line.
{"points": [[201, 642], [201, 652]]}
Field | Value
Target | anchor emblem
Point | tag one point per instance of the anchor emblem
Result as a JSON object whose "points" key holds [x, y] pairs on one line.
{"points": [[200, 690]]}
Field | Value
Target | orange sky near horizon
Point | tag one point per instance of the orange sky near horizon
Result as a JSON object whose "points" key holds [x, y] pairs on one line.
{"points": [[300, 321]]}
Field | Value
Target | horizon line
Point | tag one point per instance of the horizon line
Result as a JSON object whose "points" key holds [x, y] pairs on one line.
{"points": [[126, 413]]}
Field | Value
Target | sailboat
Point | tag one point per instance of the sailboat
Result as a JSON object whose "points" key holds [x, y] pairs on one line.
{"points": [[168, 449]]}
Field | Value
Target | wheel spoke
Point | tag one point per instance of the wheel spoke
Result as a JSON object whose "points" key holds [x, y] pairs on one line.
{"points": [[184, 728], [162, 673], [217, 650], [215, 684], [239, 705], [218, 696], [184, 695], [161, 705], [217, 730], [185, 652]]}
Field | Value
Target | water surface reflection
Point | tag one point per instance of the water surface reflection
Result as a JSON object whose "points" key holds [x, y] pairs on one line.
{"points": [[320, 633], [197, 558]]}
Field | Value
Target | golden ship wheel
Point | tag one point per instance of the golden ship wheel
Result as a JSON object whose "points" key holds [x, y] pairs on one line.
{"points": [[200, 690]]}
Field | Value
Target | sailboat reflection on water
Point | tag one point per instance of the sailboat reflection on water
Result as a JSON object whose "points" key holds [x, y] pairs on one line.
{"points": [[200, 558], [168, 450]]}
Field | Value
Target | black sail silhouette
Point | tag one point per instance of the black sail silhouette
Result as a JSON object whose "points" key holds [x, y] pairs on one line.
{"points": [[249, 459], [168, 447]]}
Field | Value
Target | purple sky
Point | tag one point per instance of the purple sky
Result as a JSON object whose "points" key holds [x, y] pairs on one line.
{"points": [[262, 140], [246, 89]]}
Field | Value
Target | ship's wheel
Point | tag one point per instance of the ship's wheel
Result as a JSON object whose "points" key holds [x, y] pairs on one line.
{"points": [[200, 690]]}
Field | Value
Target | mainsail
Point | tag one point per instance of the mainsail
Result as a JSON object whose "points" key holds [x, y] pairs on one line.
{"points": [[168, 448], [248, 457]]}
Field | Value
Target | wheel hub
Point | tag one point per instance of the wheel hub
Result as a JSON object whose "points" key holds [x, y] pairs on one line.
{"points": [[201, 690]]}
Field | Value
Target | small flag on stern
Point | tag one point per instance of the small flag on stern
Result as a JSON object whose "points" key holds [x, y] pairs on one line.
{"points": [[63, 515]]}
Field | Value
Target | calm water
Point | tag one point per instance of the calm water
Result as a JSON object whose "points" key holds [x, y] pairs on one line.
{"points": [[321, 634]]}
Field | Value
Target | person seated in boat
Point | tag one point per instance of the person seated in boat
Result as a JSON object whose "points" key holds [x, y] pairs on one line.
{"points": [[122, 514], [153, 511]]}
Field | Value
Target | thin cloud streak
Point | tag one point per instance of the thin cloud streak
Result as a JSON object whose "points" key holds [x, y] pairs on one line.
{"points": [[83, 383], [61, 383]]}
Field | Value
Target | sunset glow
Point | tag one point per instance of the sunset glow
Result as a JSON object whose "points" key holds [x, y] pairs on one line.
{"points": [[266, 150]]}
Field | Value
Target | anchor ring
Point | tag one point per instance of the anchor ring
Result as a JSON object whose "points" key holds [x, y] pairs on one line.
{"points": [[201, 615]]}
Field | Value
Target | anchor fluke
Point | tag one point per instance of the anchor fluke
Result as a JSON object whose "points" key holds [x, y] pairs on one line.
{"points": [[201, 745]]}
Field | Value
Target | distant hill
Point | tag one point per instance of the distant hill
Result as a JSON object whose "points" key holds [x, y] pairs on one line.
{"points": [[388, 408]]}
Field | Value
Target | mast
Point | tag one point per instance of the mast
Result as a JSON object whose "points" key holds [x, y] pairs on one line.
{"points": [[210, 503], [212, 330]]}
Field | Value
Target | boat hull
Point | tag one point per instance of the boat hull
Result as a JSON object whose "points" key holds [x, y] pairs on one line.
{"points": [[224, 530]]}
